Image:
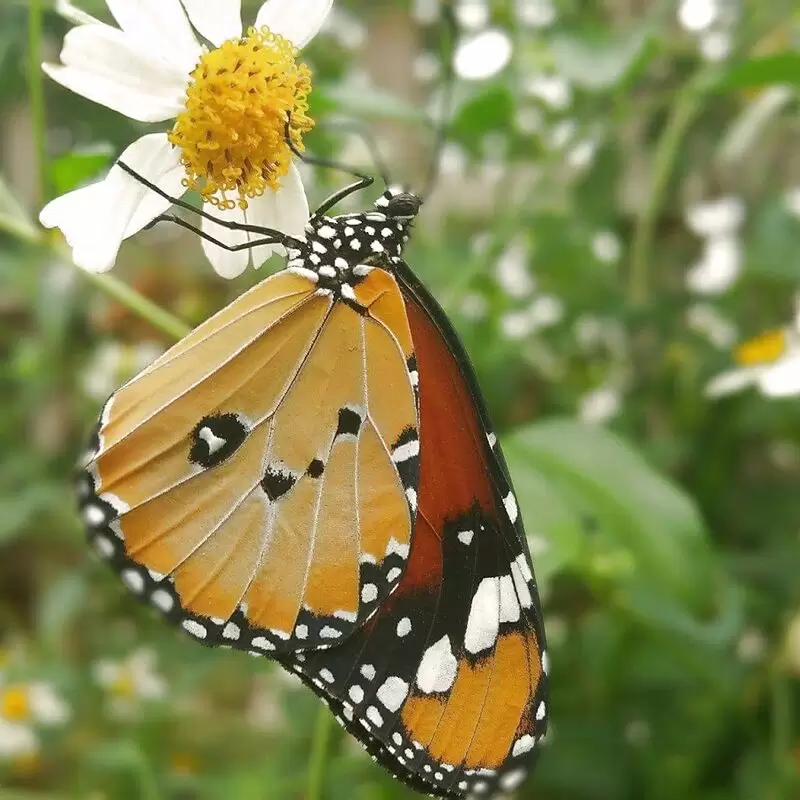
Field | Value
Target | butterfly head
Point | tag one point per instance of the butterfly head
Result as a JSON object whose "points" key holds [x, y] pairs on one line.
{"points": [[399, 204]]}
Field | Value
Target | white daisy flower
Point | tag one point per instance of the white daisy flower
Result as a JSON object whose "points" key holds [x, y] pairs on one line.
{"points": [[228, 101], [24, 709], [130, 681], [770, 362]]}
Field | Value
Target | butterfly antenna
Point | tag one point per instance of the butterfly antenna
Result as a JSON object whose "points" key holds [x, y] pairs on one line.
{"points": [[448, 93], [363, 181], [274, 236]]}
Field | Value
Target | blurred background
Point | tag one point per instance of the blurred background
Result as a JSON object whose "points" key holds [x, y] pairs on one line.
{"points": [[617, 211]]}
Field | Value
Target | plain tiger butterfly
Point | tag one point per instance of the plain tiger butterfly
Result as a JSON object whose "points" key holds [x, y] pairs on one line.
{"points": [[312, 475]]}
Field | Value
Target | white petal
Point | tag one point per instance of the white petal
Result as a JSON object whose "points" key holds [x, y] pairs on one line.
{"points": [[70, 12], [47, 706], [216, 20], [292, 204], [160, 27], [298, 21], [782, 379], [731, 382], [285, 210], [263, 211], [17, 740], [98, 217], [226, 263], [104, 65]]}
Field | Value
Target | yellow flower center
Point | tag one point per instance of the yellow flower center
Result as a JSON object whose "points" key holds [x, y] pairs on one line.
{"points": [[124, 686], [232, 133], [14, 705], [763, 349]]}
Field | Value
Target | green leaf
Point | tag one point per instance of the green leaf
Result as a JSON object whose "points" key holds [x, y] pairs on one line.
{"points": [[60, 604], [365, 101], [595, 63], [76, 168], [763, 71], [650, 530], [774, 245], [491, 109]]}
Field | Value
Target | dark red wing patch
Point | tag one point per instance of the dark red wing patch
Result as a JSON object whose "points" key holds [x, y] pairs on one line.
{"points": [[446, 683]]}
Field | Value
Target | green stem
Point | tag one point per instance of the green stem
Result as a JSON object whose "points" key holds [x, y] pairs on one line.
{"points": [[36, 97], [138, 304], [687, 105], [319, 753], [781, 723]]}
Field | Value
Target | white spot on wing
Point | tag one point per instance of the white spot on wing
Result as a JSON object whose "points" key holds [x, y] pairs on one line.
{"points": [[404, 627], [162, 600], [356, 693], [399, 549], [465, 537], [483, 622], [437, 668], [406, 451], [522, 562], [133, 580], [262, 643], [523, 745], [369, 593], [368, 671], [195, 628], [393, 692], [231, 631], [521, 585], [509, 605], [374, 716], [510, 502]]}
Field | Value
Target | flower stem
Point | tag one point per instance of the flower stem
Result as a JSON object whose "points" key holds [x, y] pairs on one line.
{"points": [[36, 97], [138, 304], [319, 753], [688, 103]]}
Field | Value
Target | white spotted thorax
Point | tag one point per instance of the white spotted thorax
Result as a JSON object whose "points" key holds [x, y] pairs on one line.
{"points": [[339, 250]]}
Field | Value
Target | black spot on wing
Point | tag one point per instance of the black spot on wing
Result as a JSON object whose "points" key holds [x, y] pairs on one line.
{"points": [[349, 422], [215, 439], [277, 482], [315, 469]]}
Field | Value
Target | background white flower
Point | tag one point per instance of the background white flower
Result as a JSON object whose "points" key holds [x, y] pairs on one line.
{"points": [[151, 70], [131, 681], [718, 222], [770, 362], [24, 708]]}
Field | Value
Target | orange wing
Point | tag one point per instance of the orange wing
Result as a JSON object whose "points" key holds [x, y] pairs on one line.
{"points": [[257, 483], [446, 683]]}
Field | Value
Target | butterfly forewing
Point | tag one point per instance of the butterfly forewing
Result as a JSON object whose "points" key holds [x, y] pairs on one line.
{"points": [[258, 482], [445, 685]]}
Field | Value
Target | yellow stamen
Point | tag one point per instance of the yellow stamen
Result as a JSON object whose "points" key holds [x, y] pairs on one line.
{"points": [[232, 133], [14, 705], [124, 685], [763, 349]]}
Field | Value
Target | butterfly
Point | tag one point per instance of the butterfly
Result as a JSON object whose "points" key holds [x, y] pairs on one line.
{"points": [[312, 475]]}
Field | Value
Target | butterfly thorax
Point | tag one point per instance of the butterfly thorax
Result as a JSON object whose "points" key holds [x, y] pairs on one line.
{"points": [[340, 251]]}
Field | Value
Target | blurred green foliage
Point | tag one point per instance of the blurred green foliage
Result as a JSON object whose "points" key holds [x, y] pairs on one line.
{"points": [[667, 543]]}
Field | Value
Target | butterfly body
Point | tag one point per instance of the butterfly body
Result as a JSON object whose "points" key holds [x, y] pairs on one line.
{"points": [[312, 475]]}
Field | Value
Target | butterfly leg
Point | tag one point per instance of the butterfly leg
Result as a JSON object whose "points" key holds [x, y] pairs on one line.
{"points": [[278, 237], [203, 235]]}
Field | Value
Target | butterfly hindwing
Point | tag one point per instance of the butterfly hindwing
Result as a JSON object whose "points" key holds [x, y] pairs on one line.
{"points": [[257, 483], [445, 685]]}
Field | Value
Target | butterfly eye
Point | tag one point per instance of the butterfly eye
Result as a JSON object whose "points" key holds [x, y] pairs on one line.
{"points": [[216, 438]]}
